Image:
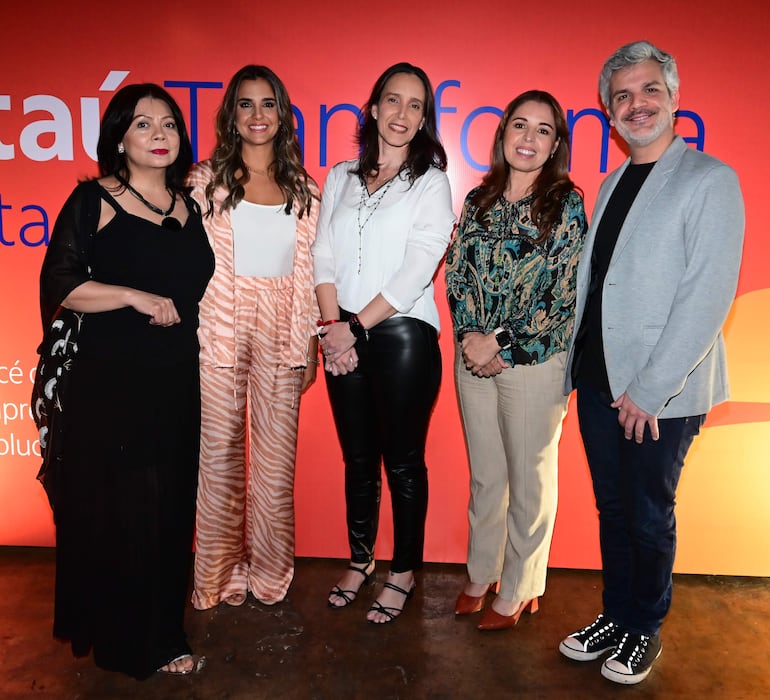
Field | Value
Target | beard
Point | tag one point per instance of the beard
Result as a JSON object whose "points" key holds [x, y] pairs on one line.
{"points": [[648, 135]]}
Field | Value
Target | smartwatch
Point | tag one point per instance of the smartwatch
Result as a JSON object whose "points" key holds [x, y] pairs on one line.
{"points": [[503, 338]]}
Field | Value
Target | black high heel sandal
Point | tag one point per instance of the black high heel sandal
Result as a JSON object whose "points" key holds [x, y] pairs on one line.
{"points": [[389, 611], [350, 595]]}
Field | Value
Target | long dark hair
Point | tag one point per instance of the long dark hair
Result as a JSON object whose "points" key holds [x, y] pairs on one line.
{"points": [[425, 150], [553, 183], [116, 121], [226, 160]]}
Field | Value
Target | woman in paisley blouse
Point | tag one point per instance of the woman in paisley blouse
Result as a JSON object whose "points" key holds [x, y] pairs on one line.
{"points": [[511, 285]]}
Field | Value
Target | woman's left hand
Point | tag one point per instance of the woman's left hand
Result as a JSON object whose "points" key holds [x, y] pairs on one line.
{"points": [[337, 340], [496, 365], [345, 364]]}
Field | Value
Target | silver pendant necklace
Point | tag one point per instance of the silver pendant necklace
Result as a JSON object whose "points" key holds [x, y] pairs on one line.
{"points": [[370, 204]]}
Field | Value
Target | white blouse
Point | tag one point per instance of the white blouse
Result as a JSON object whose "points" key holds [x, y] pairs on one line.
{"points": [[264, 238], [389, 242]]}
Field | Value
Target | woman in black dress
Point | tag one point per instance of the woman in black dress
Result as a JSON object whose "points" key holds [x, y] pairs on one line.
{"points": [[126, 487]]}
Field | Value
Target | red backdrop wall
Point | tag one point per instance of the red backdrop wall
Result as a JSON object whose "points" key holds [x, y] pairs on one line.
{"points": [[60, 64]]}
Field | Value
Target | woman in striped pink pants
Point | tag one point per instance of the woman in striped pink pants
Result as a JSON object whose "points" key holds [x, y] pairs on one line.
{"points": [[258, 348]]}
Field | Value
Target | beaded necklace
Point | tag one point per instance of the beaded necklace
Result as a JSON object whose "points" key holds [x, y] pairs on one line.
{"points": [[169, 221], [370, 202]]}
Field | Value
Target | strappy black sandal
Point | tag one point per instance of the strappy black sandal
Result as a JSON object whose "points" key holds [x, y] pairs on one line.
{"points": [[349, 595], [390, 612]]}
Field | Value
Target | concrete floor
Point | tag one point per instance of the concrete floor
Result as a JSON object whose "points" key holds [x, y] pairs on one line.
{"points": [[716, 644]]}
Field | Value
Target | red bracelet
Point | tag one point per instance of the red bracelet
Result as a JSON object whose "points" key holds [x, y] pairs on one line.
{"points": [[323, 324]]}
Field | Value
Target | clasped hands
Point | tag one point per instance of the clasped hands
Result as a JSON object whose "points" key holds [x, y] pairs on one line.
{"points": [[337, 344], [481, 354]]}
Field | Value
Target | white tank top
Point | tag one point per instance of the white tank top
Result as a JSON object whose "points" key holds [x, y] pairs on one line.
{"points": [[264, 238]]}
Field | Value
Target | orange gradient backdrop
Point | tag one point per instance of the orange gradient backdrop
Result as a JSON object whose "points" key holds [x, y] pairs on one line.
{"points": [[60, 63]]}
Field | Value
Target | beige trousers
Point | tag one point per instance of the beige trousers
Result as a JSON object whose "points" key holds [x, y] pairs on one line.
{"points": [[512, 428]]}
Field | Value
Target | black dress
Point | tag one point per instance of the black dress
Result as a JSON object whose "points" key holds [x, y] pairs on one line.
{"points": [[126, 512]]}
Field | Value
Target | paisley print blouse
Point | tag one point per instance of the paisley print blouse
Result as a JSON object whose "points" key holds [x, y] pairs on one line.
{"points": [[497, 275]]}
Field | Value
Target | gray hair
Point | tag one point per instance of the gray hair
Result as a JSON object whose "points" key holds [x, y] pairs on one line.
{"points": [[630, 55]]}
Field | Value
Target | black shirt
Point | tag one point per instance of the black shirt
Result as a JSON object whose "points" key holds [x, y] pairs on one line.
{"points": [[589, 365]]}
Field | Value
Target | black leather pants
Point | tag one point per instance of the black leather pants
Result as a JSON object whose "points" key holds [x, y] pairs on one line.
{"points": [[381, 411]]}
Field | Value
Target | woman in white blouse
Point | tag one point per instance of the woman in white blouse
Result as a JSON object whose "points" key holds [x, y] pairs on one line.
{"points": [[258, 345], [385, 223]]}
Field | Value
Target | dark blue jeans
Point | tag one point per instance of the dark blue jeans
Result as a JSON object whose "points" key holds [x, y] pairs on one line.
{"points": [[635, 489]]}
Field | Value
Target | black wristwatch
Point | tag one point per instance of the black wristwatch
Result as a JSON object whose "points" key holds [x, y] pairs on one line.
{"points": [[356, 328], [503, 338]]}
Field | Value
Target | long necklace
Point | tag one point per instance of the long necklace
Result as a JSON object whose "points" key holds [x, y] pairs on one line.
{"points": [[370, 203], [169, 221]]}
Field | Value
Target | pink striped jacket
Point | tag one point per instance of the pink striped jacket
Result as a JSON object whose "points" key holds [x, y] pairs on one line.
{"points": [[217, 307]]}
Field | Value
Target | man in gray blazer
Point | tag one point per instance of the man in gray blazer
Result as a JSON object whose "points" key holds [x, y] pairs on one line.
{"points": [[657, 277]]}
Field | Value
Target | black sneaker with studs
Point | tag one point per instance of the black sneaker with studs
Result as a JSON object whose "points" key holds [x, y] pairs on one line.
{"points": [[632, 660], [591, 642]]}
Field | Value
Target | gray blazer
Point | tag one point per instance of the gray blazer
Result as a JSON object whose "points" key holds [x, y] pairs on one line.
{"points": [[669, 285]]}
